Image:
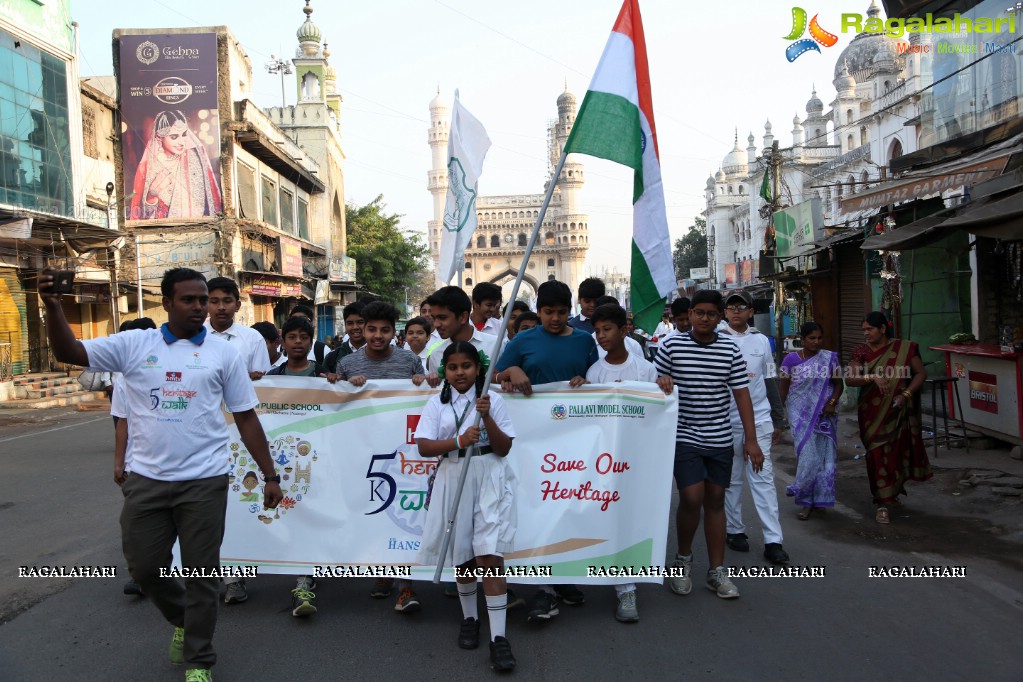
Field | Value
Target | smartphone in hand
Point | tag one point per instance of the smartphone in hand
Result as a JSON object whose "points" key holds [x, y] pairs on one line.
{"points": [[63, 281]]}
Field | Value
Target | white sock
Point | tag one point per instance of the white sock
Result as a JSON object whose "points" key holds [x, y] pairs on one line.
{"points": [[549, 589], [626, 587], [687, 557], [467, 597], [497, 609]]}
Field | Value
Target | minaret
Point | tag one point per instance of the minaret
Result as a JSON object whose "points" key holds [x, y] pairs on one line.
{"points": [[570, 219], [437, 177], [310, 64]]}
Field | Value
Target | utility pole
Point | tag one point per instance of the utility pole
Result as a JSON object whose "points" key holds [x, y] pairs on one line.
{"points": [[779, 292]]}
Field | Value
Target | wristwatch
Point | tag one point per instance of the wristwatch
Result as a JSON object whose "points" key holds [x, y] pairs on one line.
{"points": [[273, 479]]}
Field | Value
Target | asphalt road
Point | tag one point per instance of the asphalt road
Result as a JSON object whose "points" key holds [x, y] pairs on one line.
{"points": [[60, 507]]}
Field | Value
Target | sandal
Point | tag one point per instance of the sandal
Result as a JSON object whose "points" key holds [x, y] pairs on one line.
{"points": [[881, 516], [804, 513]]}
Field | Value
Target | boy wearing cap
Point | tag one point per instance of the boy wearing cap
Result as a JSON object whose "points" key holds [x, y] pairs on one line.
{"points": [[769, 418]]}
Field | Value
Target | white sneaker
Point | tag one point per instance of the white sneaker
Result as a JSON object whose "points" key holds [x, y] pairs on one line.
{"points": [[718, 581], [682, 582], [627, 611]]}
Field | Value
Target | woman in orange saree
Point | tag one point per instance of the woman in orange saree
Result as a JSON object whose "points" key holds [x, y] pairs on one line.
{"points": [[889, 373]]}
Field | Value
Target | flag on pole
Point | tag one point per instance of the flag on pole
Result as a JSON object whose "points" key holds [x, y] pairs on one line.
{"points": [[616, 122], [467, 147], [765, 186]]}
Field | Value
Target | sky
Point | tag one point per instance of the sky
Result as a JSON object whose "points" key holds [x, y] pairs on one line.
{"points": [[715, 68]]}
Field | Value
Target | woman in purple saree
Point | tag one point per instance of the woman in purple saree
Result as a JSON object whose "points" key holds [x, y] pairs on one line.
{"points": [[810, 386]]}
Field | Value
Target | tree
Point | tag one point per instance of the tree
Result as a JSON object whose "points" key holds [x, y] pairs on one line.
{"points": [[691, 250], [389, 258]]}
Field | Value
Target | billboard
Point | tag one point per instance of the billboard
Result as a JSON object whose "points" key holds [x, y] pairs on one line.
{"points": [[170, 126], [699, 273], [730, 274], [798, 227]]}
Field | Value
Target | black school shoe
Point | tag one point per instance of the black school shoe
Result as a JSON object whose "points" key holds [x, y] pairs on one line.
{"points": [[774, 553], [737, 541], [469, 634], [501, 658], [570, 595]]}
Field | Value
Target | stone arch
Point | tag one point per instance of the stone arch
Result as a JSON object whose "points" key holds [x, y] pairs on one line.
{"points": [[481, 242], [895, 149]]}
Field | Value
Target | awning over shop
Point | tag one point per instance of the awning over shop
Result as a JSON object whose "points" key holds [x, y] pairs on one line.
{"points": [[996, 216], [914, 235], [58, 235]]}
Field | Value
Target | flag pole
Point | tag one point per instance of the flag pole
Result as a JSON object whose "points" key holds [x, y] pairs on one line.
{"points": [[446, 543]]}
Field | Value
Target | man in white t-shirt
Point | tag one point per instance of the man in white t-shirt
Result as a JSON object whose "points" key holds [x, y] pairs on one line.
{"points": [[769, 419], [225, 301], [175, 380]]}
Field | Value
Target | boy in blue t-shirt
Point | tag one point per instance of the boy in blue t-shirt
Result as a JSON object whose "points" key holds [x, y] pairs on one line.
{"points": [[551, 352]]}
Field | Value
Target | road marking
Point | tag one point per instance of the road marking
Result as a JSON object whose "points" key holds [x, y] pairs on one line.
{"points": [[55, 428]]}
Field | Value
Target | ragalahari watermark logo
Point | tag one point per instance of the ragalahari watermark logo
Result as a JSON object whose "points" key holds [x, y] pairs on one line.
{"points": [[817, 35]]}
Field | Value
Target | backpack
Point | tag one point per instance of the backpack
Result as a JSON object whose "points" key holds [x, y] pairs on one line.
{"points": [[318, 351]]}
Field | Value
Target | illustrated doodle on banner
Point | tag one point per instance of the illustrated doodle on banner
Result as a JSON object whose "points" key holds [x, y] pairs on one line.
{"points": [[593, 464]]}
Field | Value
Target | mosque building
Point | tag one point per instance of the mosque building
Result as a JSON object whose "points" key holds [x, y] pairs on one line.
{"points": [[506, 221]]}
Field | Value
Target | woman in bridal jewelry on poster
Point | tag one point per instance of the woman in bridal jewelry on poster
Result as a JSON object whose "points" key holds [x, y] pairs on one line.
{"points": [[174, 179]]}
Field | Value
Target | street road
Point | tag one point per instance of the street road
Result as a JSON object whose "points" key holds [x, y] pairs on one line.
{"points": [[60, 507]]}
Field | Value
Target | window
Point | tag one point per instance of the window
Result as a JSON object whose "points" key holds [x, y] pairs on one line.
{"points": [[495, 241], [303, 218], [35, 147], [269, 201], [247, 192], [468, 265], [287, 211], [481, 242], [522, 239], [550, 262], [549, 238], [468, 281]]}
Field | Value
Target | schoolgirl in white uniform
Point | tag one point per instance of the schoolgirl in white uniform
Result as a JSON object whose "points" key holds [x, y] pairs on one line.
{"points": [[485, 520]]}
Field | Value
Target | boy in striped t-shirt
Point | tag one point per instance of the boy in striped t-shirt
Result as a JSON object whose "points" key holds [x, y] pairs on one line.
{"points": [[708, 369]]}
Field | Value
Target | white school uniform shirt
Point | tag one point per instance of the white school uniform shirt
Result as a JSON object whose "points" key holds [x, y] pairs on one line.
{"points": [[635, 368], [491, 326], [249, 343], [438, 420], [483, 342], [631, 345], [756, 352], [174, 389]]}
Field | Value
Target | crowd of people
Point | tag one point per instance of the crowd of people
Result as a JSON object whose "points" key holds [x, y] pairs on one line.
{"points": [[171, 460]]}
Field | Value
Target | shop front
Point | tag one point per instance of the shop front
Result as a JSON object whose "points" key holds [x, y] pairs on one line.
{"points": [[990, 388]]}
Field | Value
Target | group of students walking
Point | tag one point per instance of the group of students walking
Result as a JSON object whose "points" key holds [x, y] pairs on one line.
{"points": [[176, 378]]}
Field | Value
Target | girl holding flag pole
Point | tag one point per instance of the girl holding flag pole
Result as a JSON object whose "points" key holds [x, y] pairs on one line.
{"points": [[485, 515]]}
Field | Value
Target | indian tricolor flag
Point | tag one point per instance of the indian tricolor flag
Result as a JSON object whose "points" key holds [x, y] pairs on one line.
{"points": [[616, 122]]}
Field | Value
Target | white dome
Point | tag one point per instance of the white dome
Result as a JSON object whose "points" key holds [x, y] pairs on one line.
{"points": [[860, 55], [735, 161], [438, 102]]}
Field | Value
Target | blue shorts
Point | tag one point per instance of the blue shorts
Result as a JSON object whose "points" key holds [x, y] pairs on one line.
{"points": [[695, 465]]}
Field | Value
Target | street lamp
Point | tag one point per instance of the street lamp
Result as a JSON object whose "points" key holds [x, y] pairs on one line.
{"points": [[277, 65]]}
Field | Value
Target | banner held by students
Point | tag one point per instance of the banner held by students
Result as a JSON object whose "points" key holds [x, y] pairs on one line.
{"points": [[467, 148], [616, 122], [593, 467]]}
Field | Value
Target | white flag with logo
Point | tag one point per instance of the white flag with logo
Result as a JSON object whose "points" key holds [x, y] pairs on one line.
{"points": [[467, 147]]}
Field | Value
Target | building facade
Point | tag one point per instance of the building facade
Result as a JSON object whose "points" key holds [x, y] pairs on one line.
{"points": [[506, 221], [261, 198], [49, 215]]}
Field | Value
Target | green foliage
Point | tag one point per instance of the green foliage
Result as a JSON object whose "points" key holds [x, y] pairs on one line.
{"points": [[691, 250], [389, 258]]}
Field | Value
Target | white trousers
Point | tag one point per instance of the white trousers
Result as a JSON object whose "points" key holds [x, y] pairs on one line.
{"points": [[761, 484]]}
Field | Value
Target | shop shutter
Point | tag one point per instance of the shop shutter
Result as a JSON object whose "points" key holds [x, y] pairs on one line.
{"points": [[851, 275], [13, 325]]}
